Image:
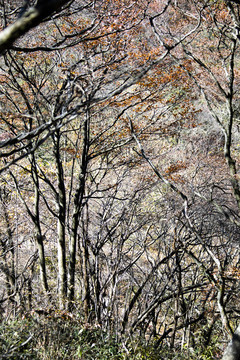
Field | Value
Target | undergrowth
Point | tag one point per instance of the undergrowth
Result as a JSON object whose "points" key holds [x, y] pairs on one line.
{"points": [[62, 338]]}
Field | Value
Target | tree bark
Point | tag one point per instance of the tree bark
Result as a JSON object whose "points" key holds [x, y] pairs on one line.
{"points": [[61, 231], [31, 18], [78, 200], [232, 351], [38, 233]]}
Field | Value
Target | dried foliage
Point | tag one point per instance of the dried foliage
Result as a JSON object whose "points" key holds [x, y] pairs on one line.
{"points": [[119, 179]]}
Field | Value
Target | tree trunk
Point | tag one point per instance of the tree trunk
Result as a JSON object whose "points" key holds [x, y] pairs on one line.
{"points": [[61, 208], [78, 200], [232, 351], [62, 269], [42, 262]]}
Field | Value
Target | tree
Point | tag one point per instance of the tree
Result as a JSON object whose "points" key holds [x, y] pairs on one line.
{"points": [[221, 48], [72, 101], [117, 172]]}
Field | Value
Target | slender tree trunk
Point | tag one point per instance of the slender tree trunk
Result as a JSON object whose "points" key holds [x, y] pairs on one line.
{"points": [[72, 259], [78, 199], [37, 227], [86, 282], [41, 255], [39, 236], [73, 238], [62, 268], [10, 273], [61, 230]]}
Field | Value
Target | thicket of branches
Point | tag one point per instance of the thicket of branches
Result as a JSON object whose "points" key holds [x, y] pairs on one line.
{"points": [[119, 180]]}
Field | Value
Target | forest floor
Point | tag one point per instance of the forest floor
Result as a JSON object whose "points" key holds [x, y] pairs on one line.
{"points": [[58, 336]]}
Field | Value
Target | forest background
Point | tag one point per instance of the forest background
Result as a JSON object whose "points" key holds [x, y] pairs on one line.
{"points": [[119, 179]]}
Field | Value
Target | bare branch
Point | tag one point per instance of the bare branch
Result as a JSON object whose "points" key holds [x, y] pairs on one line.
{"points": [[31, 18]]}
